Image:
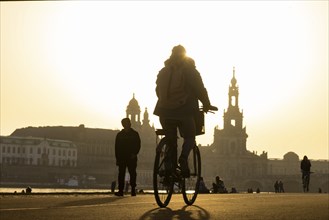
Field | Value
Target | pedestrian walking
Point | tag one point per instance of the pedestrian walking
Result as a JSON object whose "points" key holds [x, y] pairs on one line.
{"points": [[127, 146]]}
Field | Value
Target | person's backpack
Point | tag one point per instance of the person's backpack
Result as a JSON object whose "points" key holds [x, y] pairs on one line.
{"points": [[171, 87]]}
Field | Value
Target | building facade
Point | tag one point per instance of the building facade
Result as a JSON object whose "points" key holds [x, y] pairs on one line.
{"points": [[33, 159], [37, 152]]}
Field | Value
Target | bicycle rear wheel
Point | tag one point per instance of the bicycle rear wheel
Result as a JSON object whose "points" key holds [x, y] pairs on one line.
{"points": [[163, 183], [190, 186], [306, 182]]}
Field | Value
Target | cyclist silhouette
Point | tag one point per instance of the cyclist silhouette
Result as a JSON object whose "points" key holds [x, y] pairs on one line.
{"points": [[179, 87], [305, 166]]}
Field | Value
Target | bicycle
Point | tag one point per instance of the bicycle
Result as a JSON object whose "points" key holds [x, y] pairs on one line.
{"points": [[166, 172], [306, 180]]}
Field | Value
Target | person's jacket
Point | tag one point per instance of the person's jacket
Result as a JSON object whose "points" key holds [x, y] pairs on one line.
{"points": [[194, 86], [127, 145], [305, 165]]}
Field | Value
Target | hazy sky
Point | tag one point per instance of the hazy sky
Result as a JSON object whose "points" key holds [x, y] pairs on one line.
{"points": [[79, 62]]}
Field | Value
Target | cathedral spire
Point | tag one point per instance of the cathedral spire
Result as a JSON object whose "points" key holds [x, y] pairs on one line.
{"points": [[233, 80]]}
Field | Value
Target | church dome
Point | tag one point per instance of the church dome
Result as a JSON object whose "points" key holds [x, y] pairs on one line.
{"points": [[291, 156], [133, 104]]}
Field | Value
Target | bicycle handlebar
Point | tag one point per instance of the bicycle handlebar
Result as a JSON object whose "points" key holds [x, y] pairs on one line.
{"points": [[211, 109], [307, 172]]}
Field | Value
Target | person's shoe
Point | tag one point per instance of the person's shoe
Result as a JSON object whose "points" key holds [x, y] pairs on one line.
{"points": [[119, 193], [185, 171], [133, 192]]}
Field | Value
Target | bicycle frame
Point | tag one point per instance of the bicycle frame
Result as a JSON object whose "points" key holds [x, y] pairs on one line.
{"points": [[164, 180]]}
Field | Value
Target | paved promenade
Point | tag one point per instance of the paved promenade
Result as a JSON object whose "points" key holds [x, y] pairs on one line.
{"points": [[263, 206]]}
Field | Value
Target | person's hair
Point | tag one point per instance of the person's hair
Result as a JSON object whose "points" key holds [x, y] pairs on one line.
{"points": [[125, 120], [178, 50]]}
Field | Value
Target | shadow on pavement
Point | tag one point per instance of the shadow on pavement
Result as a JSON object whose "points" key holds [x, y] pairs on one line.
{"points": [[89, 202], [186, 213]]}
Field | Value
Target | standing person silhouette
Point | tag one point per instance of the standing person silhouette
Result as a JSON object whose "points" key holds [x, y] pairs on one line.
{"points": [[127, 146], [305, 166], [179, 87]]}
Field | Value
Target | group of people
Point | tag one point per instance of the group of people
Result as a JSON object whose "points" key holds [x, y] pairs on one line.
{"points": [[179, 88], [218, 186], [278, 187]]}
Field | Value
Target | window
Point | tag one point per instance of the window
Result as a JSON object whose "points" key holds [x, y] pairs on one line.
{"points": [[31, 150], [233, 101], [8, 149], [39, 150], [3, 149], [233, 122], [14, 150]]}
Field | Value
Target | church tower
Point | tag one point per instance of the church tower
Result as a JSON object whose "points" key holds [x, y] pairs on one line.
{"points": [[231, 140], [133, 112], [146, 121]]}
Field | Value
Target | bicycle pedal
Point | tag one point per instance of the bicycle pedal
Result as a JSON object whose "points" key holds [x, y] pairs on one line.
{"points": [[177, 175]]}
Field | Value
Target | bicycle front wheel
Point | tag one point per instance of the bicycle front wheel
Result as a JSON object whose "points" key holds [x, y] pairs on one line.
{"points": [[163, 183], [190, 186], [306, 181]]}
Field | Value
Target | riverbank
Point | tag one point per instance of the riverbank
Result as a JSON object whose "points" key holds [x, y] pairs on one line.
{"points": [[22, 191]]}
